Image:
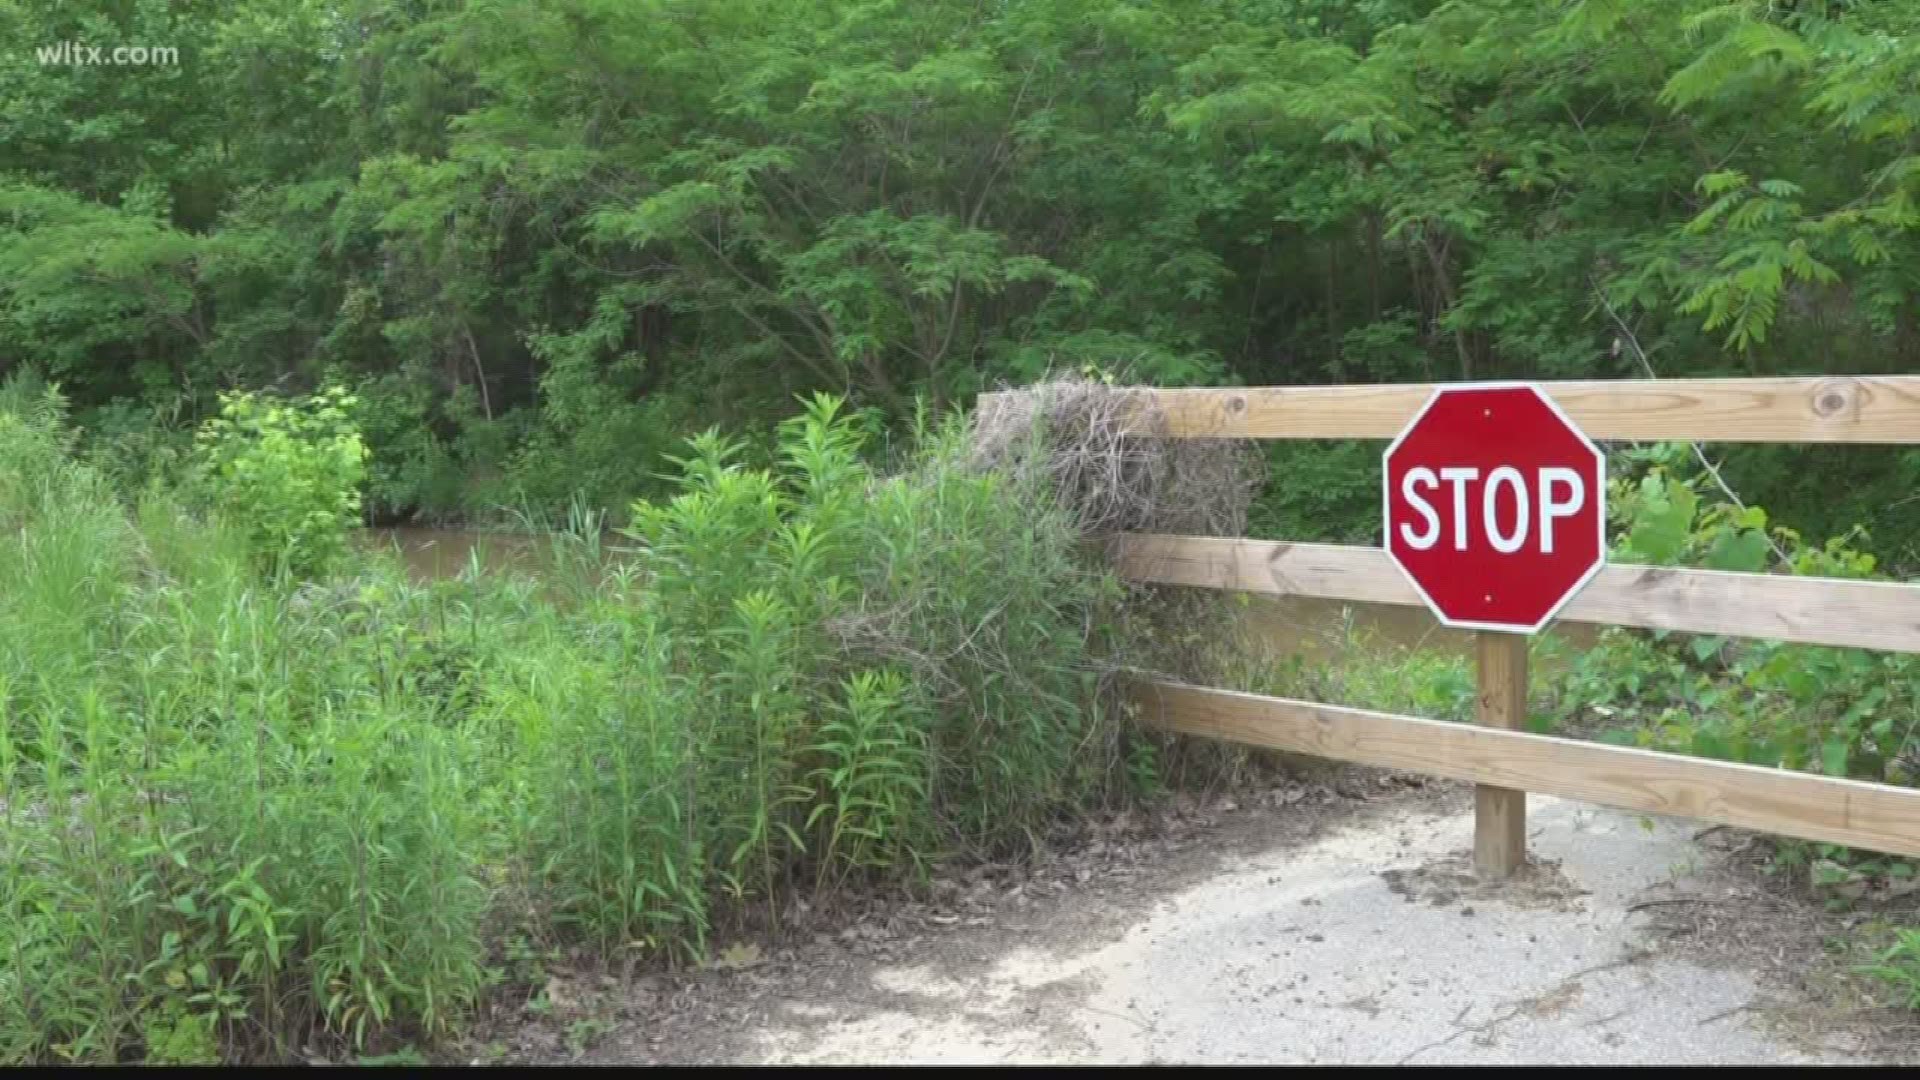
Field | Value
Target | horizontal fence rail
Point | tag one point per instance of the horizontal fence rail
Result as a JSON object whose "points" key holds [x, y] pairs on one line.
{"points": [[1878, 817], [1502, 762], [1857, 409], [1813, 611]]}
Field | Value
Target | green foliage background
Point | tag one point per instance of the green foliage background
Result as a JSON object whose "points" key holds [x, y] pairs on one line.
{"points": [[543, 239]]}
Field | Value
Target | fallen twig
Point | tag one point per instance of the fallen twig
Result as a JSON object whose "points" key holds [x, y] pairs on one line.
{"points": [[1607, 1019], [1675, 900], [1722, 1015]]}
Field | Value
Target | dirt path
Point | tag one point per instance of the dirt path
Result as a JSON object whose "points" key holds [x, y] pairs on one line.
{"points": [[1309, 930]]}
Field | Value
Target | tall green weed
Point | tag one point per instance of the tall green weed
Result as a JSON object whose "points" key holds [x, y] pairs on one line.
{"points": [[263, 792]]}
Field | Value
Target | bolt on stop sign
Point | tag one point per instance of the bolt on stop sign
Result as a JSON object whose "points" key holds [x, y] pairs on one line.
{"points": [[1494, 506]]}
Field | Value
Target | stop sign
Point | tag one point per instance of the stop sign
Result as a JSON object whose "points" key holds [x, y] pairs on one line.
{"points": [[1494, 506]]}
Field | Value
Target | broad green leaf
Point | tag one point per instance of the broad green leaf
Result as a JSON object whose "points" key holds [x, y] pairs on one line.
{"points": [[1833, 757], [1744, 551]]}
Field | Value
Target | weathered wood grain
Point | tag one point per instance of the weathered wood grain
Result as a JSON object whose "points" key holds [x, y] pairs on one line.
{"points": [[1876, 817], [1839, 409], [1815, 611], [1500, 814]]}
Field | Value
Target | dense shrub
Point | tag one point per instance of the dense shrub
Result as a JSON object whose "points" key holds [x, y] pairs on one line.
{"points": [[1330, 494], [833, 673], [246, 813], [1843, 712], [290, 471]]}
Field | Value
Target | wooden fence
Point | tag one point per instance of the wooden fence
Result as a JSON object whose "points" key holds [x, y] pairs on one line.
{"points": [[1504, 762]]}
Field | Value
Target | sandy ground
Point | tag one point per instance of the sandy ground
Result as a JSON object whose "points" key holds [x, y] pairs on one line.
{"points": [[1305, 930]]}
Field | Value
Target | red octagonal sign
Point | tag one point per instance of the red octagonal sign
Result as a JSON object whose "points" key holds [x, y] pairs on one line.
{"points": [[1494, 506]]}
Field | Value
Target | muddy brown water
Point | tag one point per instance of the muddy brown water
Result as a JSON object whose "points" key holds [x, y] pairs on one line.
{"points": [[1287, 624], [442, 553]]}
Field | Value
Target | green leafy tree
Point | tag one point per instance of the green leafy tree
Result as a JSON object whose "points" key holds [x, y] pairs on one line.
{"points": [[545, 239]]}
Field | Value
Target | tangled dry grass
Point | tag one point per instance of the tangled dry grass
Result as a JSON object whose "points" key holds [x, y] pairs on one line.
{"points": [[1104, 454], [1107, 458]]}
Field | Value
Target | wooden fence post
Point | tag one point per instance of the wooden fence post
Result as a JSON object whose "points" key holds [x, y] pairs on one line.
{"points": [[1500, 814]]}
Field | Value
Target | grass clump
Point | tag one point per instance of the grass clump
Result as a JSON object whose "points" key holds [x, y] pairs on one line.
{"points": [[233, 817]]}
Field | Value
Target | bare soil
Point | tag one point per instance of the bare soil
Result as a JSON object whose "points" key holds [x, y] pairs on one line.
{"points": [[926, 960]]}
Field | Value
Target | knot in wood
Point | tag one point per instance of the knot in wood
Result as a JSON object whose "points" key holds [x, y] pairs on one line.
{"points": [[1832, 399]]}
